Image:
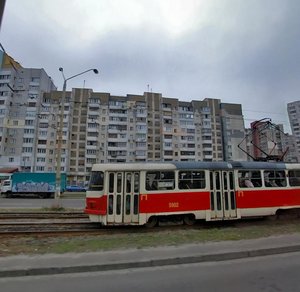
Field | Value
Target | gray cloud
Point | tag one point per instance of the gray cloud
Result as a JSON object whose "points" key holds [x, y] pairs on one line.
{"points": [[248, 53]]}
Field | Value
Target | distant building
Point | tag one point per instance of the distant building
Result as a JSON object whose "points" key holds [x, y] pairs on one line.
{"points": [[289, 143], [266, 141], [293, 109], [233, 131], [102, 128], [21, 91]]}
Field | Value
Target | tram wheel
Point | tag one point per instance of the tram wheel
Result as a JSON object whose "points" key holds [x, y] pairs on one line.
{"points": [[189, 219], [152, 222]]}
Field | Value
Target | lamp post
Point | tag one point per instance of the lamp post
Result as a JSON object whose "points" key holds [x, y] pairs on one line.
{"points": [[60, 129]]}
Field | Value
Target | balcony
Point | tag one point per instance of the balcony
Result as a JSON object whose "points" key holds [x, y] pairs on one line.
{"points": [[91, 147], [141, 115], [207, 148], [208, 157], [91, 139], [115, 140]]}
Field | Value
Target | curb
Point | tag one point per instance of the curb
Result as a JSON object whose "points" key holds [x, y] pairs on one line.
{"points": [[150, 263]]}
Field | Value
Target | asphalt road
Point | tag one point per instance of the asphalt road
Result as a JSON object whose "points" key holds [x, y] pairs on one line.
{"points": [[270, 273], [28, 203]]}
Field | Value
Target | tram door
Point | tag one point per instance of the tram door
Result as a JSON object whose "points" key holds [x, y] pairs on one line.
{"points": [[123, 197], [222, 195]]}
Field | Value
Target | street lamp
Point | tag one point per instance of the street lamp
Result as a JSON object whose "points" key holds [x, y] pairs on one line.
{"points": [[60, 129]]}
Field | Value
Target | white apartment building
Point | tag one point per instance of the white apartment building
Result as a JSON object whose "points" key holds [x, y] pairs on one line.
{"points": [[289, 143], [267, 141], [293, 109], [102, 128], [233, 132], [21, 92]]}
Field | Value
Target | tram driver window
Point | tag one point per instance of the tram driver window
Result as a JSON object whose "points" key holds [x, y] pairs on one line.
{"points": [[96, 181], [160, 180]]}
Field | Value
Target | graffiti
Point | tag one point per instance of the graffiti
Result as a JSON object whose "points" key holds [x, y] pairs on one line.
{"points": [[33, 187]]}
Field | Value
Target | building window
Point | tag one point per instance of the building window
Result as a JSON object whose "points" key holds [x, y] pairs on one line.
{"points": [[29, 122], [35, 79], [27, 149]]}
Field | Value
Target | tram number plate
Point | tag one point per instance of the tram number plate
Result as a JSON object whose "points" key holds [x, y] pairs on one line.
{"points": [[173, 205]]}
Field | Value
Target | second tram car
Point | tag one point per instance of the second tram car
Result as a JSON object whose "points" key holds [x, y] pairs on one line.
{"points": [[145, 193]]}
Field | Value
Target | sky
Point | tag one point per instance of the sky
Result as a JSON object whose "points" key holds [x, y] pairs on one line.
{"points": [[239, 51]]}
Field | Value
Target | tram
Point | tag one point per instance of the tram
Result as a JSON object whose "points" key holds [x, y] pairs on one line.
{"points": [[146, 193]]}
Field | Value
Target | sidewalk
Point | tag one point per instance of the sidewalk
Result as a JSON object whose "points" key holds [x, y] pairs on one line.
{"points": [[25, 265]]}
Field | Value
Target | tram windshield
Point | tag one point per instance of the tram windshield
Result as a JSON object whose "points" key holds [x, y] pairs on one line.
{"points": [[96, 181]]}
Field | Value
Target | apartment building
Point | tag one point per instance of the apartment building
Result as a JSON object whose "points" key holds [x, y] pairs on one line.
{"points": [[103, 128], [293, 109], [233, 132], [267, 141], [289, 144], [21, 91]]}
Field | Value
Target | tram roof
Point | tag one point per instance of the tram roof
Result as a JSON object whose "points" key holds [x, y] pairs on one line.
{"points": [[181, 165], [202, 165], [223, 165], [258, 165], [292, 166], [132, 166]]}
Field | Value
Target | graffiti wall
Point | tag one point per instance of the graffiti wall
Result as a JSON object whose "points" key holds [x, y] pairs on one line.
{"points": [[33, 187]]}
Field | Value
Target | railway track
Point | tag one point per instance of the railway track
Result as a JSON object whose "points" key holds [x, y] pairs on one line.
{"points": [[22, 223], [66, 223], [41, 215], [56, 223], [34, 228], [60, 223]]}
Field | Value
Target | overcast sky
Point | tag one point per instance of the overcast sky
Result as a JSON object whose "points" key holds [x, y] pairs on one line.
{"points": [[239, 51]]}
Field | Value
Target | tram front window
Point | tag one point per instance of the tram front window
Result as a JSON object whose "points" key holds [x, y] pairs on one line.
{"points": [[96, 181]]}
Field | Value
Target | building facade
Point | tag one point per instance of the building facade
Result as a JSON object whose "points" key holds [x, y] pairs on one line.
{"points": [[266, 141], [21, 92], [102, 128], [289, 143], [293, 109]]}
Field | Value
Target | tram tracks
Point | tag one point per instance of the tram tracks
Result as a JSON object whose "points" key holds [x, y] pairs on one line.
{"points": [[41, 215], [34, 228], [21, 223], [58, 223], [67, 223]]}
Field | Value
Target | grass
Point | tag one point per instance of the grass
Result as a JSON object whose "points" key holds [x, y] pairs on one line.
{"points": [[76, 195], [133, 239]]}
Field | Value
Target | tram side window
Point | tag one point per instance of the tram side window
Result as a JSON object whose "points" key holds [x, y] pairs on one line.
{"points": [[96, 181], [191, 180], [294, 177], [160, 180], [136, 182], [111, 182], [249, 179], [274, 178]]}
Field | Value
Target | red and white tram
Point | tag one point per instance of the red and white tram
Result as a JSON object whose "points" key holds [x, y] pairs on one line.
{"points": [[143, 193]]}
